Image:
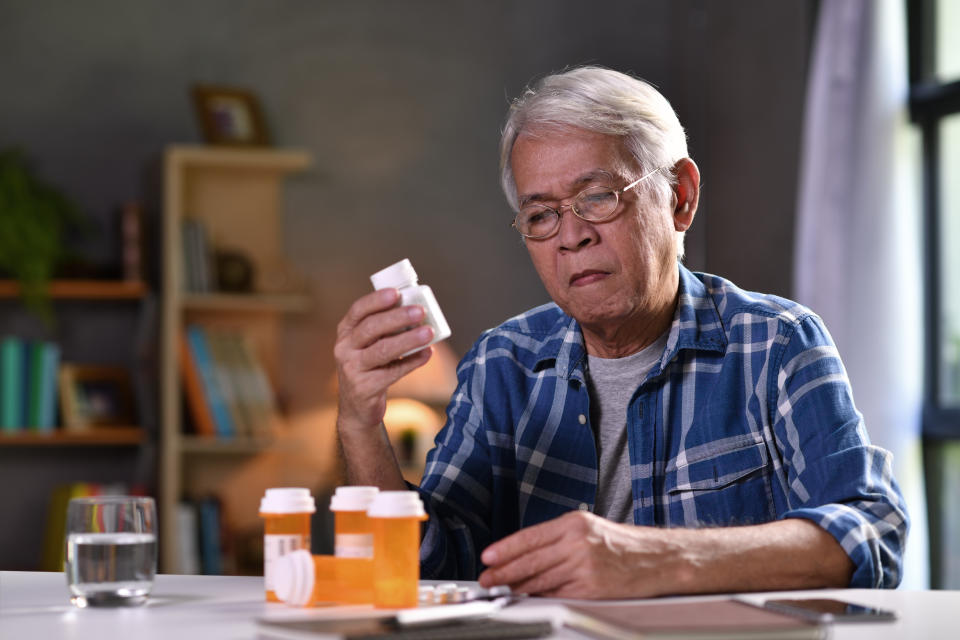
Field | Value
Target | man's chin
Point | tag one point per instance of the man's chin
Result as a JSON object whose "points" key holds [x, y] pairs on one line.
{"points": [[594, 313]]}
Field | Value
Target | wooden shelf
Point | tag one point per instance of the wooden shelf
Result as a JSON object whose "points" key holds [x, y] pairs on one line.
{"points": [[196, 156], [104, 436], [237, 195], [200, 445], [245, 302], [83, 289]]}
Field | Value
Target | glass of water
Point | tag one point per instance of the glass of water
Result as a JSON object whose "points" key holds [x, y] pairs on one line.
{"points": [[111, 550]]}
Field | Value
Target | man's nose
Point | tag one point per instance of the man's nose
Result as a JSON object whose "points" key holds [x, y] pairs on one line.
{"points": [[575, 232]]}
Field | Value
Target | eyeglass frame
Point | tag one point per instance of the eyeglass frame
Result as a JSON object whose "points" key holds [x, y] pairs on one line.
{"points": [[559, 210]]}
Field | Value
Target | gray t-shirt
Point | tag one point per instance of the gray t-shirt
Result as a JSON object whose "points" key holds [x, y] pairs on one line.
{"points": [[611, 382]]}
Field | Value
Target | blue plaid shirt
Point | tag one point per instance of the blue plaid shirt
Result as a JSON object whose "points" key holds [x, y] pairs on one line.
{"points": [[748, 417]]}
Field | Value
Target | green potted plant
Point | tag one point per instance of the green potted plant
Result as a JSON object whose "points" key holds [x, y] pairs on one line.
{"points": [[34, 217]]}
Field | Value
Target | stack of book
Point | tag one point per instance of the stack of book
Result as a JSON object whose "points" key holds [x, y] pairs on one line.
{"points": [[227, 390], [200, 536], [28, 384]]}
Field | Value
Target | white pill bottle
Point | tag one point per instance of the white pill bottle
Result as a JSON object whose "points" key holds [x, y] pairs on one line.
{"points": [[403, 277]]}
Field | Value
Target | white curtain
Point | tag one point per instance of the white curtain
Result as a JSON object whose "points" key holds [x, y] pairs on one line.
{"points": [[857, 251]]}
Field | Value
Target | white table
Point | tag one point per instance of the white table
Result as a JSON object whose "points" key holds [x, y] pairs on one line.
{"points": [[35, 606]]}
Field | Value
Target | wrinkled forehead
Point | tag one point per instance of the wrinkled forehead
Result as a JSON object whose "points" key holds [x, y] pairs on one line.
{"points": [[564, 158]]}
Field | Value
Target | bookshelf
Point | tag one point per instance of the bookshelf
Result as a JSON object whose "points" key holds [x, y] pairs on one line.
{"points": [[236, 195], [36, 464], [105, 437], [78, 291], [84, 289]]}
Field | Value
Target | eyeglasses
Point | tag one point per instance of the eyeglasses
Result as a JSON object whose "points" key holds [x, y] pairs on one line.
{"points": [[593, 204]]}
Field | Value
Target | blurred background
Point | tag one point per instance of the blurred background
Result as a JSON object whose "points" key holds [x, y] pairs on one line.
{"points": [[333, 139]]}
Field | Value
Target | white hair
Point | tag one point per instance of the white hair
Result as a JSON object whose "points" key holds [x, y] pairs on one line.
{"points": [[607, 102]]}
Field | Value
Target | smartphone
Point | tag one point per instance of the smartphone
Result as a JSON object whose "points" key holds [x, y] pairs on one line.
{"points": [[827, 610]]}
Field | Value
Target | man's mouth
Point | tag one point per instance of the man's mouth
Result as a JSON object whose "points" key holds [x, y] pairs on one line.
{"points": [[589, 276]]}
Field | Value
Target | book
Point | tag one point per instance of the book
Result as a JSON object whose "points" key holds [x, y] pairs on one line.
{"points": [[225, 373], [188, 533], [189, 278], [47, 419], [197, 339], [706, 619], [203, 258], [193, 387], [254, 393], [377, 625], [261, 393], [12, 384], [34, 383], [28, 384], [211, 550], [196, 257]]}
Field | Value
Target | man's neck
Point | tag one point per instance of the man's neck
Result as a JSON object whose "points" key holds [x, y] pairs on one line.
{"points": [[624, 338]]}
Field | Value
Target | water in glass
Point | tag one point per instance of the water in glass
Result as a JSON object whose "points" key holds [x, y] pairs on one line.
{"points": [[110, 568]]}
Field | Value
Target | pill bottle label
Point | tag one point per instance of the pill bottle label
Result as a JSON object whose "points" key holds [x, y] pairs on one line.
{"points": [[353, 545], [275, 546]]}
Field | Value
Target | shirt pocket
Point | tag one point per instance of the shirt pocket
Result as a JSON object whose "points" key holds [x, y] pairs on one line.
{"points": [[728, 486]]}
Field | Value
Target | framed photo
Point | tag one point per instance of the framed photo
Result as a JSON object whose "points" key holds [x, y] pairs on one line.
{"points": [[95, 396], [229, 116]]}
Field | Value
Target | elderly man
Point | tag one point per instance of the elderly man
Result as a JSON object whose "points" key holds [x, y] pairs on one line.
{"points": [[652, 431]]}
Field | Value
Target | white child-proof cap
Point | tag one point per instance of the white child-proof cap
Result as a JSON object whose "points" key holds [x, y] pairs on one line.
{"points": [[396, 504], [293, 577], [353, 498], [288, 500], [396, 276]]}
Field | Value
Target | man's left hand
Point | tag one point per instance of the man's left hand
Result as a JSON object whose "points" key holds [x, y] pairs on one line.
{"points": [[583, 555]]}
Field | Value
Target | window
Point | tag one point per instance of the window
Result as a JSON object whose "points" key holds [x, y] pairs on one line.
{"points": [[935, 108]]}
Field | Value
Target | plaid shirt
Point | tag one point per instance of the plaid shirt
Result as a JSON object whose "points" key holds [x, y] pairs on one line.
{"points": [[747, 418]]}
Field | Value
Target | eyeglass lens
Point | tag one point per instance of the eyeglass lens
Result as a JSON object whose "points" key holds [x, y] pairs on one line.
{"points": [[593, 204]]}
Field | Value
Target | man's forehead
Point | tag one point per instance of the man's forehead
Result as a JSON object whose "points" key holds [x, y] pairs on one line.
{"points": [[548, 165], [574, 152]]}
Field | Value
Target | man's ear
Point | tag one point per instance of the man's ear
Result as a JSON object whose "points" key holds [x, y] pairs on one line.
{"points": [[686, 193]]}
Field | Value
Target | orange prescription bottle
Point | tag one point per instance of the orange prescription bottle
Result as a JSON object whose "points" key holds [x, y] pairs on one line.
{"points": [[301, 579], [353, 538], [286, 513], [396, 517]]}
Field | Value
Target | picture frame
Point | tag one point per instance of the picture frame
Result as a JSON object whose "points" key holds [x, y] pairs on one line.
{"points": [[95, 396], [229, 116]]}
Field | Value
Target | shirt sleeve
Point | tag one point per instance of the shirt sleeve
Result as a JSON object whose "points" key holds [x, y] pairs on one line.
{"points": [[457, 482], [836, 478]]}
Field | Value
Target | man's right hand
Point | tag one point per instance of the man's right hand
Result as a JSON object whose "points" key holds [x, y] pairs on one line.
{"points": [[371, 339]]}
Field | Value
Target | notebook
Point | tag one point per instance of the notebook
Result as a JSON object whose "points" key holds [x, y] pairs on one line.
{"points": [[699, 620], [384, 629]]}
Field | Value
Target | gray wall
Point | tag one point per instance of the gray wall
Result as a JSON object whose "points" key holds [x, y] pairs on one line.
{"points": [[401, 104]]}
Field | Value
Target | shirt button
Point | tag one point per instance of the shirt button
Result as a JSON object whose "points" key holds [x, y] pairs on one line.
{"points": [[584, 506], [582, 418]]}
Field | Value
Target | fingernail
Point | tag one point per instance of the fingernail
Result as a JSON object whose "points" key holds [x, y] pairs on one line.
{"points": [[425, 332], [415, 313], [489, 557]]}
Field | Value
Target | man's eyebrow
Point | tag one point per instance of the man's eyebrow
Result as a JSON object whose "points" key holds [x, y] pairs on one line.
{"points": [[596, 175]]}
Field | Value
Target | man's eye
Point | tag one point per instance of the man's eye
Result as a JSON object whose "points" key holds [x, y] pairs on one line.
{"points": [[537, 217], [599, 197]]}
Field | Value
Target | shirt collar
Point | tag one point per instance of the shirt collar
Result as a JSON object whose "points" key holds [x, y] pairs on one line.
{"points": [[696, 325]]}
